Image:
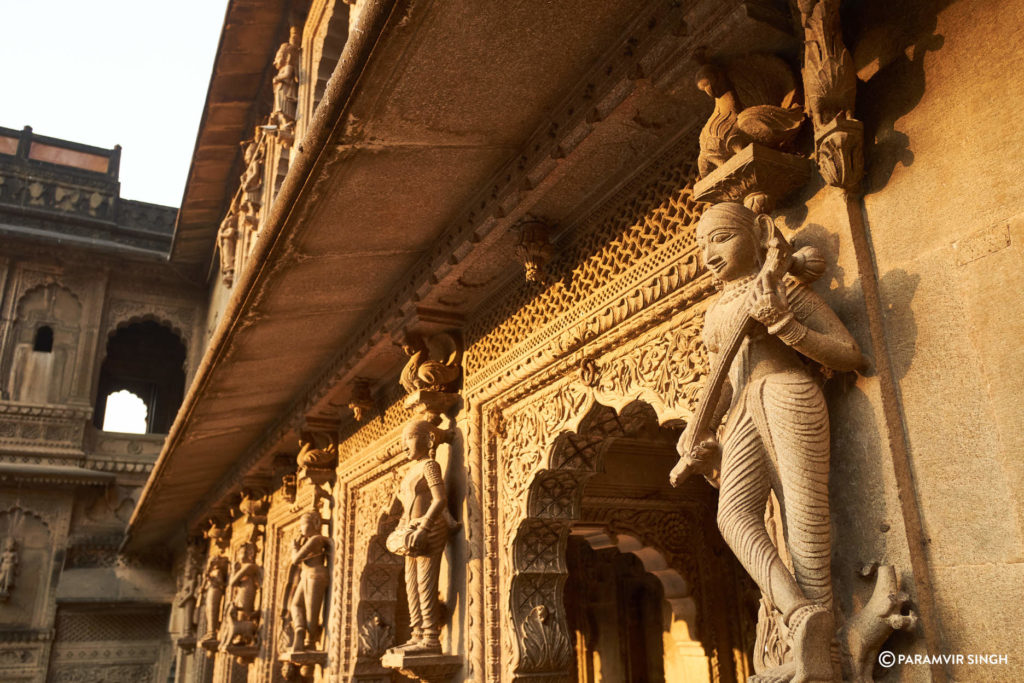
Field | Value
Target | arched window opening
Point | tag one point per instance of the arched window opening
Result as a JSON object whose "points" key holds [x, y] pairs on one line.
{"points": [[146, 360], [125, 412], [44, 339]]}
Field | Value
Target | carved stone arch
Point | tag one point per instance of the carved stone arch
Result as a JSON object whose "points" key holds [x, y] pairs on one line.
{"points": [[160, 318], [379, 585], [673, 536], [44, 378], [17, 507], [539, 571]]}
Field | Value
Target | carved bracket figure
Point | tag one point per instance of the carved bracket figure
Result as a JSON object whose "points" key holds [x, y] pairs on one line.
{"points": [[534, 248], [426, 525], [756, 101], [361, 401], [775, 446], [830, 85]]}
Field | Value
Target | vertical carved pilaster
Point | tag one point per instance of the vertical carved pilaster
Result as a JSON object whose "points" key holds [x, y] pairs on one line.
{"points": [[302, 608]]}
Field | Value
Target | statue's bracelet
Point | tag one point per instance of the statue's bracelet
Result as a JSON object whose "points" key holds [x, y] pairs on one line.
{"points": [[789, 330]]}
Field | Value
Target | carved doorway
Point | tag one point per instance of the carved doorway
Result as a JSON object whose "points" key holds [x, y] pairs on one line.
{"points": [[638, 585]]}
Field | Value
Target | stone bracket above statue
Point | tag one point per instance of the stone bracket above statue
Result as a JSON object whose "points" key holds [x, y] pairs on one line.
{"points": [[757, 176]]}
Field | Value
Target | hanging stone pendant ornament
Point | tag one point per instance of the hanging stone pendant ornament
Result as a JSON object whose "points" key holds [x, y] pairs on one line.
{"points": [[534, 248]]}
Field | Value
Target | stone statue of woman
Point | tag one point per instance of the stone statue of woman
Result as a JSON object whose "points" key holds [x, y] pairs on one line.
{"points": [[215, 581], [776, 438], [422, 534], [242, 586], [8, 567]]}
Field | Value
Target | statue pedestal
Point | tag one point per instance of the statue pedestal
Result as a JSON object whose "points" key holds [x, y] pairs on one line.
{"points": [[210, 642], [303, 661], [756, 170], [243, 654], [428, 668], [186, 643]]}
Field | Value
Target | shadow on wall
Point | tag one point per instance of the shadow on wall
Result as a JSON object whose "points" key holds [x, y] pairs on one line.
{"points": [[897, 288], [889, 40]]}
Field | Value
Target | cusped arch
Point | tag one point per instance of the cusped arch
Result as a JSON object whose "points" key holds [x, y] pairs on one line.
{"points": [[41, 287], [543, 646], [172, 326]]}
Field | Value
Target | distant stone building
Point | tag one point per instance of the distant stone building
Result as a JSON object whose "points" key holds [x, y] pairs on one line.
{"points": [[91, 306], [479, 281]]}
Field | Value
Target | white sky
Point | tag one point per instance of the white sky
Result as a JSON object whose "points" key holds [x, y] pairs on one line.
{"points": [[106, 72], [125, 412]]}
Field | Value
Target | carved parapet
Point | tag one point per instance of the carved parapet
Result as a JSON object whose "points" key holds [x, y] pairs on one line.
{"points": [[428, 668], [757, 176], [26, 428]]}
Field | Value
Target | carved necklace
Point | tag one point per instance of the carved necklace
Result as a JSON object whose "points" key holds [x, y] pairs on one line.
{"points": [[735, 288]]}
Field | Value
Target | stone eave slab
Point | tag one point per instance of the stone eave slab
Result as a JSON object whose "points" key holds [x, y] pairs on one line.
{"points": [[386, 225]]}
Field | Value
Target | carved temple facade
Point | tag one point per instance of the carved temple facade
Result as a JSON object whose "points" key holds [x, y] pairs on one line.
{"points": [[450, 329]]}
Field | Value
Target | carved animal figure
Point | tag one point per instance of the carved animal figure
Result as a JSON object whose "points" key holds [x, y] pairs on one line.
{"points": [[867, 629], [755, 101], [420, 372]]}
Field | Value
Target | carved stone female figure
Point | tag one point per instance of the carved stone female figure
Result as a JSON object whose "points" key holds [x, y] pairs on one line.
{"points": [[8, 567], [245, 580], [777, 434], [307, 583], [422, 534], [215, 581]]}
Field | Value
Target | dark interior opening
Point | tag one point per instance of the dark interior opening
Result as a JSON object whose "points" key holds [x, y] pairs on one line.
{"points": [[148, 360], [44, 339]]}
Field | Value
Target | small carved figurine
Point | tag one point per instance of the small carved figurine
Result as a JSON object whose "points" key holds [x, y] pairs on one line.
{"points": [[286, 87], [776, 438], [215, 581], [227, 240], [188, 594], [8, 567], [307, 583], [242, 625], [422, 534], [755, 101]]}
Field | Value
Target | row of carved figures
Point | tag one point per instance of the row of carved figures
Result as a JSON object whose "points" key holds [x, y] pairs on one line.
{"points": [[761, 434], [238, 230]]}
